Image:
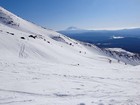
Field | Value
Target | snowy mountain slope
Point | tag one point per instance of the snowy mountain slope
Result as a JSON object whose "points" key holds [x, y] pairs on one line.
{"points": [[123, 55], [29, 31], [42, 67], [28, 40]]}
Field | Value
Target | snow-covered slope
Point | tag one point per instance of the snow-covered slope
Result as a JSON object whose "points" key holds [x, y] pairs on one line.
{"points": [[123, 55], [28, 40], [41, 67], [22, 39]]}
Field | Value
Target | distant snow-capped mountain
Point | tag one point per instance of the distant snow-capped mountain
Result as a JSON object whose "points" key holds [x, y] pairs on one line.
{"points": [[72, 28]]}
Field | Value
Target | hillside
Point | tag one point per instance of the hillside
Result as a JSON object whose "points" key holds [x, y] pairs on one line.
{"points": [[42, 67]]}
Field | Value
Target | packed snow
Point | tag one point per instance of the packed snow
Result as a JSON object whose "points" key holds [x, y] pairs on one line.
{"points": [[41, 67]]}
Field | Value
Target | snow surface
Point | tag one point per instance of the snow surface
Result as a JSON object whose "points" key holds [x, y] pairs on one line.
{"points": [[123, 56], [120, 50], [41, 67], [117, 37]]}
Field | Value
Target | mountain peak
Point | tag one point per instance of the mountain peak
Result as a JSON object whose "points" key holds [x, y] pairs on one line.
{"points": [[1, 8], [8, 18], [4, 11], [72, 28]]}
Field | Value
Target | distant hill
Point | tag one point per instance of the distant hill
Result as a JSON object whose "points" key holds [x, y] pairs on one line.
{"points": [[129, 39], [135, 32]]}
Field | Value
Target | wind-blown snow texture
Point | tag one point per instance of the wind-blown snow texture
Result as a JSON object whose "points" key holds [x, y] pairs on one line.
{"points": [[42, 67]]}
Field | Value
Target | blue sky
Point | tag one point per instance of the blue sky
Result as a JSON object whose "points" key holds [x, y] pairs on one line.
{"points": [[86, 14]]}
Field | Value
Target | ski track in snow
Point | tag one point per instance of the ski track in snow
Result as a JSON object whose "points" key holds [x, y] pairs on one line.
{"points": [[48, 83]]}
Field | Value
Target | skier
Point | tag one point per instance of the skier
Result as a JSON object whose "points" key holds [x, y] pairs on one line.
{"points": [[110, 61], [118, 61]]}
